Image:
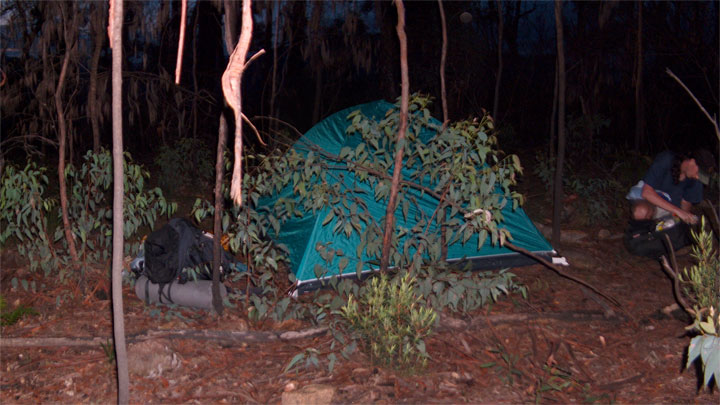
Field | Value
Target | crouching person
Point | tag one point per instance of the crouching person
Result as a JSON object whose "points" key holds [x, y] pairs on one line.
{"points": [[661, 203], [672, 185]]}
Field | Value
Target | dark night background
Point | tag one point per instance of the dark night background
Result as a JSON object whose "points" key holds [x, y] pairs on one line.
{"points": [[332, 55]]}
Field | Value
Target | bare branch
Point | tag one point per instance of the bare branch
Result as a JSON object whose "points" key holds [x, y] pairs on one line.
{"points": [[672, 272], [562, 273], [712, 120], [247, 121]]}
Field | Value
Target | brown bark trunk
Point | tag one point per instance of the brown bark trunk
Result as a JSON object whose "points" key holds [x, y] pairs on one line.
{"points": [[496, 100], [553, 116], [222, 141], [194, 73], [639, 110], [443, 58], [116, 16], [94, 63], [318, 93], [217, 218], [230, 25], [557, 184], [443, 96], [389, 228], [62, 142], [273, 91]]}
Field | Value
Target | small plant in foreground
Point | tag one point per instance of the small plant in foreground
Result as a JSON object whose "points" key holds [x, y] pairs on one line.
{"points": [[391, 324], [10, 318], [703, 280], [109, 349]]}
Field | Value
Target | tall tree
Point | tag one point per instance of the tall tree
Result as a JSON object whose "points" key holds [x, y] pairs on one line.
{"points": [[62, 126], [232, 87], [389, 228], [639, 111], [97, 24], [115, 28], [317, 64], [498, 77], [557, 183], [443, 97], [443, 58]]}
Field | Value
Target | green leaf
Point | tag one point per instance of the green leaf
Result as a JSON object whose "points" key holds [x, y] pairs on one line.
{"points": [[298, 357], [343, 264], [330, 215]]}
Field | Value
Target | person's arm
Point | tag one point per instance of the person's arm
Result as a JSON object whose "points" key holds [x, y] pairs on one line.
{"points": [[651, 196]]}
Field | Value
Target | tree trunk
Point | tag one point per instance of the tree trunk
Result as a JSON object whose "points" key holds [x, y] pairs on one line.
{"points": [[400, 146], [194, 72], [233, 80], [116, 18], [230, 25], [99, 39], [443, 97], [318, 92], [443, 58], [557, 184], [639, 110], [553, 116], [317, 64], [62, 139], [219, 162], [217, 218], [496, 100], [273, 91], [181, 41]]}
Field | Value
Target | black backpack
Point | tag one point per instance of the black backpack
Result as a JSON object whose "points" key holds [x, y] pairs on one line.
{"points": [[179, 251], [642, 238]]}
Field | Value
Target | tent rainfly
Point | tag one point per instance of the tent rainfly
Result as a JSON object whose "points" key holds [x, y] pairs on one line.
{"points": [[302, 234]]}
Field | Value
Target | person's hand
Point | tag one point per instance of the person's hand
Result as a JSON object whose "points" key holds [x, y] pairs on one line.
{"points": [[687, 217]]}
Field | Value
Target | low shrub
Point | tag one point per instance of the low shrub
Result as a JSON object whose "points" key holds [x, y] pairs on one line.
{"points": [[391, 323]]}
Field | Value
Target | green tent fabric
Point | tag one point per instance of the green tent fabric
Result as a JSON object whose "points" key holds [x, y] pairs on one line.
{"points": [[301, 235]]}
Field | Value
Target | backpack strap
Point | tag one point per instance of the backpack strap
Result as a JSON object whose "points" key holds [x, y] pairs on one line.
{"points": [[167, 295]]}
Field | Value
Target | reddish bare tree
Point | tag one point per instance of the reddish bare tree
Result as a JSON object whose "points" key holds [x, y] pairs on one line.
{"points": [[231, 84], [181, 42], [62, 128], [557, 183], [400, 145]]}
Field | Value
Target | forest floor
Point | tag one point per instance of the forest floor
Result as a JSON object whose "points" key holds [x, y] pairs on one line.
{"points": [[562, 344]]}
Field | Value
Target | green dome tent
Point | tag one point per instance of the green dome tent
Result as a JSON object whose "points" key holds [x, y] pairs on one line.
{"points": [[303, 235]]}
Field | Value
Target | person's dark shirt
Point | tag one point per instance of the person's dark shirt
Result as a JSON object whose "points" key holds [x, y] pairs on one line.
{"points": [[659, 177]]}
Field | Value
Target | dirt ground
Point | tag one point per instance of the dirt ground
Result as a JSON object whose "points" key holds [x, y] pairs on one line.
{"points": [[560, 345]]}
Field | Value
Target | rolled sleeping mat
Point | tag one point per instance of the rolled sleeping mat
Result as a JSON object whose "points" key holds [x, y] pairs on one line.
{"points": [[195, 294]]}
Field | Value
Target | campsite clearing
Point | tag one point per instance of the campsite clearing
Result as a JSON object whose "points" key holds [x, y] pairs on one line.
{"points": [[555, 346]]}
